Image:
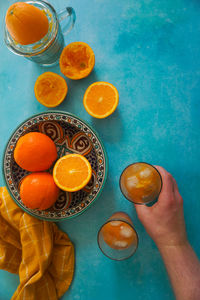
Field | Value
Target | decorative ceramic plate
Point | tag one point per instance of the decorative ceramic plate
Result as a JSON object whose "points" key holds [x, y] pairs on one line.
{"points": [[71, 135]]}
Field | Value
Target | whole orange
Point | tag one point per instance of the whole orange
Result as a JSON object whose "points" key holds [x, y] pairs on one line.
{"points": [[35, 151], [38, 190], [26, 23]]}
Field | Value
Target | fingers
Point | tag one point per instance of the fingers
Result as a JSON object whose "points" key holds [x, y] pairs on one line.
{"points": [[167, 180], [170, 190], [176, 192], [175, 185], [166, 196], [142, 210]]}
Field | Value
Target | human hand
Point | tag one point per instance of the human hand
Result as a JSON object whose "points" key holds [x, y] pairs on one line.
{"points": [[164, 221]]}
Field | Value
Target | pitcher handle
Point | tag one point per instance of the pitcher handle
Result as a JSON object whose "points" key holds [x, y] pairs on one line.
{"points": [[67, 13]]}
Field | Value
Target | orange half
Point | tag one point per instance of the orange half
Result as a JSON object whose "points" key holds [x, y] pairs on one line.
{"points": [[26, 23], [72, 172], [77, 60], [50, 89], [101, 99]]}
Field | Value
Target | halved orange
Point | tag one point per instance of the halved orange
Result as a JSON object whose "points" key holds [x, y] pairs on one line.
{"points": [[26, 23], [50, 89], [101, 99], [72, 172], [77, 60]]}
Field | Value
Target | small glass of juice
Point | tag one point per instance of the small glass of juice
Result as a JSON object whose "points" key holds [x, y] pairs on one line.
{"points": [[117, 237], [140, 183]]}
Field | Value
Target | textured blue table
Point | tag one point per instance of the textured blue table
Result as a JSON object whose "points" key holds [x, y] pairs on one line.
{"points": [[149, 49]]}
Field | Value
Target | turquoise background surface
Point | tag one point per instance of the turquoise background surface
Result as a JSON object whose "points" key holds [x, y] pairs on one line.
{"points": [[149, 50]]}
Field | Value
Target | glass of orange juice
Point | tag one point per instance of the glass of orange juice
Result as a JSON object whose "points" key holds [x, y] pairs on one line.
{"points": [[140, 183], [117, 237]]}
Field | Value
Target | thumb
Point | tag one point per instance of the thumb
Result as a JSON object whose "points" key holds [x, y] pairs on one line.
{"points": [[142, 210]]}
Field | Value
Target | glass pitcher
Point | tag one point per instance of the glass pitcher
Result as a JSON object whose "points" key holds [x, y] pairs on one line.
{"points": [[46, 51]]}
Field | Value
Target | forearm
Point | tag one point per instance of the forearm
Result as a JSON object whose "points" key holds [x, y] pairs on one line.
{"points": [[183, 268]]}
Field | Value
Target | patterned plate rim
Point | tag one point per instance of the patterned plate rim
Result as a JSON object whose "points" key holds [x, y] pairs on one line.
{"points": [[104, 152]]}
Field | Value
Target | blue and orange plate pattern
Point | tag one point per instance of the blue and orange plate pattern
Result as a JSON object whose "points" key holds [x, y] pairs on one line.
{"points": [[71, 135]]}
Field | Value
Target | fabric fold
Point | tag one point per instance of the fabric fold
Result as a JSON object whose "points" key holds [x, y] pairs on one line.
{"points": [[37, 250]]}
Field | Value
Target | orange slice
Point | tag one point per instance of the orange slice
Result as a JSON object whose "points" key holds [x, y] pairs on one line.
{"points": [[72, 172], [50, 89], [101, 99], [77, 60]]}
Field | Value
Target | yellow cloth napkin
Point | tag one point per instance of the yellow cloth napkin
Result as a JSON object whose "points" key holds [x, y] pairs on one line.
{"points": [[37, 250]]}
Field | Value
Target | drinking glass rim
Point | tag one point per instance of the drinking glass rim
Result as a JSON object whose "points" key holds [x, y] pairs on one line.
{"points": [[140, 162], [50, 36], [119, 220]]}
